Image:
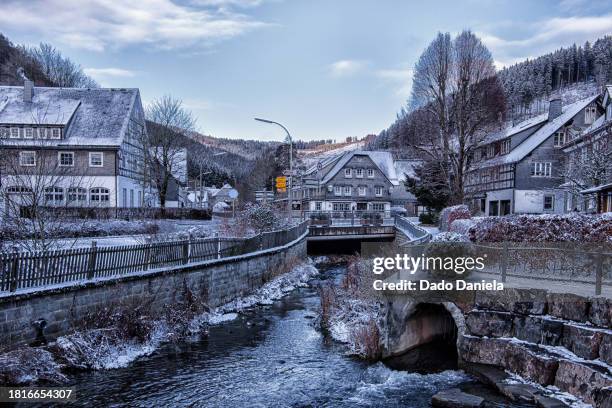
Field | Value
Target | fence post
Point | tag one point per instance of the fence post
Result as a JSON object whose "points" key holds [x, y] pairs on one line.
{"points": [[14, 271], [186, 244], [505, 255], [599, 274], [147, 262], [218, 245], [93, 255]]}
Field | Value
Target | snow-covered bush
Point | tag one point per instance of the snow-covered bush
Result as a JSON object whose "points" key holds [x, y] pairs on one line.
{"points": [[450, 214], [543, 228], [462, 226], [449, 237], [261, 217]]}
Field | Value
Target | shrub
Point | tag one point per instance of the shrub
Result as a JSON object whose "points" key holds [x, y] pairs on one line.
{"points": [[445, 247], [428, 218], [450, 214]]}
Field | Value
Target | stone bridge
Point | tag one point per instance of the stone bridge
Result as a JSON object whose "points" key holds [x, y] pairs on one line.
{"points": [[549, 339]]}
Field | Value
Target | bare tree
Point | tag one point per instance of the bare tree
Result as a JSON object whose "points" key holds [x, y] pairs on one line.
{"points": [[164, 148], [59, 69], [456, 100]]}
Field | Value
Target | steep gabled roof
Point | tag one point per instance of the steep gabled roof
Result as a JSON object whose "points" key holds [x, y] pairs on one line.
{"points": [[382, 160], [537, 138], [96, 116], [514, 129]]}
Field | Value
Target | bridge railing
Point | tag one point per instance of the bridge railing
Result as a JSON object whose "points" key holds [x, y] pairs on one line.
{"points": [[26, 270], [418, 234], [348, 218]]}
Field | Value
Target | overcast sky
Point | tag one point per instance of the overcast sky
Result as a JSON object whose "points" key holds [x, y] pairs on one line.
{"points": [[324, 68]]}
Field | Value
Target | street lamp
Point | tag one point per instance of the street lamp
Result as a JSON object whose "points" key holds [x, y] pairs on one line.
{"points": [[290, 199]]}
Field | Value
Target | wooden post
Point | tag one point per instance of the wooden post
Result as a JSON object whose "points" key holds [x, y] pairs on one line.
{"points": [[185, 251], [599, 274], [218, 245], [14, 271], [505, 255], [147, 262], [93, 255]]}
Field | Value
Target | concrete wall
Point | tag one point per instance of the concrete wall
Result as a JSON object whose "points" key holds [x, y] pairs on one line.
{"points": [[216, 282]]}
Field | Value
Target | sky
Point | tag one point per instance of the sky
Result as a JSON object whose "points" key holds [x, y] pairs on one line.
{"points": [[326, 69]]}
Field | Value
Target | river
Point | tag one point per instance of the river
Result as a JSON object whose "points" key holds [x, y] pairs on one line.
{"points": [[268, 356]]}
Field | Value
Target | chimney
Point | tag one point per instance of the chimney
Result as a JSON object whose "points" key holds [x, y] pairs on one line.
{"points": [[28, 90], [554, 108]]}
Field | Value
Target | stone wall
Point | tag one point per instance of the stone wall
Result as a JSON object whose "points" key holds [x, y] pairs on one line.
{"points": [[552, 339], [215, 282]]}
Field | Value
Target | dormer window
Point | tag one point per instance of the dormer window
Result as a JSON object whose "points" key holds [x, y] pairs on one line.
{"points": [[14, 133], [589, 114], [559, 138], [29, 133], [5, 132], [505, 146], [491, 150], [348, 173], [56, 133]]}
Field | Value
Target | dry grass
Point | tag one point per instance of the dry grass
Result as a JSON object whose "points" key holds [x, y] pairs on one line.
{"points": [[366, 340]]}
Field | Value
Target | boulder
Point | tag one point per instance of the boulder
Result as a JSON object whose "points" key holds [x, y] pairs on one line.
{"points": [[539, 330], [482, 350], [487, 374], [568, 306], [518, 392], [600, 313], [515, 300], [605, 348], [583, 380], [548, 402], [455, 398], [603, 397], [583, 341], [490, 324], [531, 363]]}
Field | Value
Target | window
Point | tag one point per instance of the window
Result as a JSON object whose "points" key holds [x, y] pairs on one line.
{"points": [[27, 158], [21, 132], [341, 206], [139, 199], [42, 133], [29, 133], [370, 173], [337, 190], [491, 150], [362, 190], [359, 173], [549, 202], [318, 206], [378, 206], [99, 195], [589, 114], [559, 138], [96, 159], [477, 155], [124, 195], [56, 134], [378, 191], [54, 195], [66, 159], [5, 132], [18, 190], [505, 146], [77, 194], [14, 133], [348, 173], [348, 190], [541, 169]]}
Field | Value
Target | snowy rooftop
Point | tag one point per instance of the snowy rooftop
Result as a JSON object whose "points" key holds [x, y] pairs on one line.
{"points": [[95, 116], [533, 141], [383, 160], [405, 167], [514, 129]]}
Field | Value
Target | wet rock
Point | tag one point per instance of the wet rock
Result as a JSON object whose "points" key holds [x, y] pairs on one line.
{"points": [[568, 306], [522, 301], [531, 363], [582, 380], [582, 341], [491, 324], [455, 398], [605, 348], [487, 374], [482, 350], [518, 392], [28, 366], [600, 313], [539, 330], [548, 402], [603, 397]]}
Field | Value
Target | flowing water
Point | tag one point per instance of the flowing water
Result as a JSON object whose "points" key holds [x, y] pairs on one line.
{"points": [[268, 356]]}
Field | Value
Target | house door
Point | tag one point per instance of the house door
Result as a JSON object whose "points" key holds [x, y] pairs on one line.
{"points": [[493, 208], [504, 207]]}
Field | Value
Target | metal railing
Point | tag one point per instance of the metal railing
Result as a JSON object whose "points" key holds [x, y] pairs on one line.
{"points": [[348, 218], [25, 270], [418, 234]]}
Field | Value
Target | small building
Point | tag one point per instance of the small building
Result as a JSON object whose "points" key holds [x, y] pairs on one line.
{"points": [[600, 196]]}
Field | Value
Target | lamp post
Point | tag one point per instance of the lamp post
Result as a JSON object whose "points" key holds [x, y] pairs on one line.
{"points": [[290, 195]]}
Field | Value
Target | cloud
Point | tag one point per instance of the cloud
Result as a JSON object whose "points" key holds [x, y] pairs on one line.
{"points": [[100, 73], [345, 68], [545, 36], [101, 24], [400, 78]]}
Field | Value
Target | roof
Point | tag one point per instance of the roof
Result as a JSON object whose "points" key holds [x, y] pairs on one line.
{"points": [[514, 129], [382, 160], [93, 116], [597, 188], [538, 137], [607, 94], [405, 167]]}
